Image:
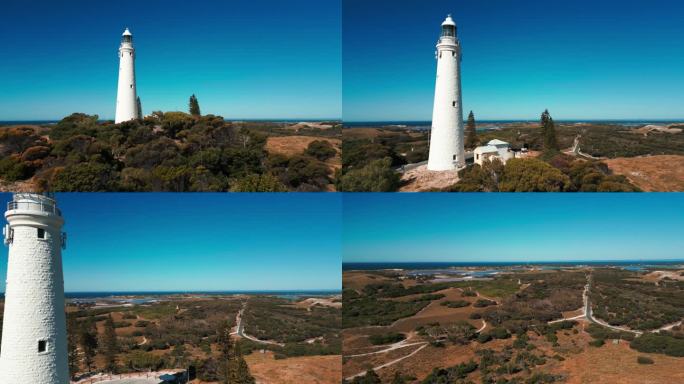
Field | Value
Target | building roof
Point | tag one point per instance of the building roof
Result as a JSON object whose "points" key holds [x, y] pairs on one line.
{"points": [[486, 149], [448, 21], [497, 142], [127, 33]]}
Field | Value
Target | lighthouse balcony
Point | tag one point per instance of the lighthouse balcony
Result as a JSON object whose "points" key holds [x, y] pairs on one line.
{"points": [[34, 203]]}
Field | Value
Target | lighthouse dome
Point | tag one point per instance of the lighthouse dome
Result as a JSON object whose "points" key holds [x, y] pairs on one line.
{"points": [[127, 33], [449, 28]]}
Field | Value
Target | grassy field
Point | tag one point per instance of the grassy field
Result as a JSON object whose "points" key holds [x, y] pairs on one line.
{"points": [[511, 340], [179, 331]]}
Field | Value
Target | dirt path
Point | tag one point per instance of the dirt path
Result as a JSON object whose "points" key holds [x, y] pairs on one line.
{"points": [[379, 367], [240, 330], [406, 342]]}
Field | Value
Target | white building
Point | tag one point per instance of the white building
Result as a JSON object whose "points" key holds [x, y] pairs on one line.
{"points": [[34, 343], [446, 135], [495, 149], [126, 97]]}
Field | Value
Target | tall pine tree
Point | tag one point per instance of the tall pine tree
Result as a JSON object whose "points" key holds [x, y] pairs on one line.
{"points": [[550, 143], [194, 106], [471, 133], [88, 339], [233, 368], [139, 106], [72, 346], [110, 346], [242, 374]]}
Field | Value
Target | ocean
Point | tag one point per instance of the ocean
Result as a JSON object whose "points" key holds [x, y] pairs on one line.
{"points": [[157, 294], [626, 264], [288, 121], [493, 124]]}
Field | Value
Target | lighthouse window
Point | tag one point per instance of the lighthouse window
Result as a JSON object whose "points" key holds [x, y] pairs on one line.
{"points": [[42, 346], [453, 103], [41, 233], [454, 157]]}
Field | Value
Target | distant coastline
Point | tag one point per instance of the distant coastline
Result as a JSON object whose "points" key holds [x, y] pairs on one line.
{"points": [[492, 124], [275, 120], [369, 266], [120, 294]]}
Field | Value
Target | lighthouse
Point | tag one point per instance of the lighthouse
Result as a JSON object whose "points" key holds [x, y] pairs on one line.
{"points": [[446, 134], [126, 97], [34, 343]]}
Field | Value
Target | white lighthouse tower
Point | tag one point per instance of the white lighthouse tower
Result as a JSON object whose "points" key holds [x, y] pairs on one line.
{"points": [[446, 135], [126, 98], [34, 343]]}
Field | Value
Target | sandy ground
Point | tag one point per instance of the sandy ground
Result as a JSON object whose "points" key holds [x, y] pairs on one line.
{"points": [[435, 312], [420, 179], [308, 124], [659, 275], [295, 370], [613, 363], [358, 280], [324, 301], [661, 173]]}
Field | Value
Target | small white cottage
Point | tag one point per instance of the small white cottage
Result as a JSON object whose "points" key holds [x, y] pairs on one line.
{"points": [[495, 149]]}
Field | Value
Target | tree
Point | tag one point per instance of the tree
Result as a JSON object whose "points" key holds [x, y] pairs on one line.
{"points": [[398, 379], [532, 175], [258, 183], [369, 378], [88, 340], [194, 106], [242, 374], [480, 178], [139, 107], [110, 346], [377, 176], [72, 346], [321, 149], [85, 177], [550, 143], [471, 133], [233, 368]]}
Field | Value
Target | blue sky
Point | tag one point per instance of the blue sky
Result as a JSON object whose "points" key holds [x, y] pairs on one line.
{"points": [[199, 241], [581, 59], [242, 58], [473, 227]]}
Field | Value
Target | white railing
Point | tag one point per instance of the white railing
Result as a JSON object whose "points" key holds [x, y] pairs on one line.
{"points": [[34, 206]]}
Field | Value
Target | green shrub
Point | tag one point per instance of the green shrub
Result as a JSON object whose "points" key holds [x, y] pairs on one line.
{"points": [[644, 360], [455, 304], [387, 338], [320, 149], [377, 176]]}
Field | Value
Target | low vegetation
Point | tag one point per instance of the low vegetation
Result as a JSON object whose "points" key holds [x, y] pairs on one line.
{"points": [[303, 332], [389, 148], [621, 299], [387, 338], [171, 151]]}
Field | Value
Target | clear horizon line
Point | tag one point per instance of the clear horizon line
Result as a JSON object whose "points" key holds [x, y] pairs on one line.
{"points": [[205, 291], [522, 119], [226, 119], [514, 261]]}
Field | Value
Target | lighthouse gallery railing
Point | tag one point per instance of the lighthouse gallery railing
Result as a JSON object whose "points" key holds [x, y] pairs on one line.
{"points": [[34, 206]]}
